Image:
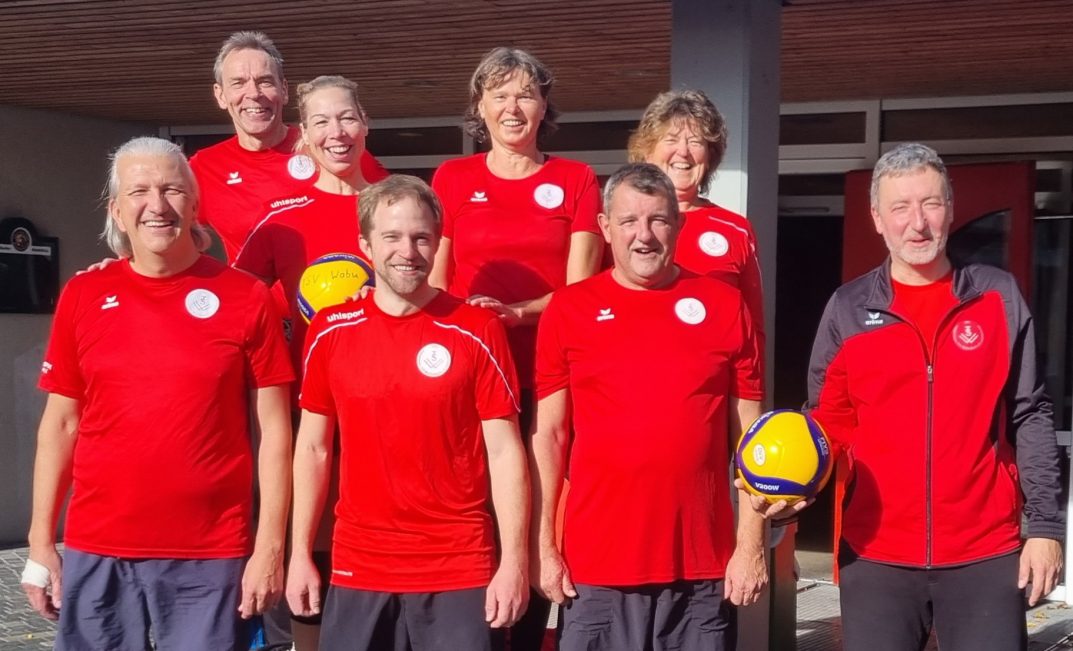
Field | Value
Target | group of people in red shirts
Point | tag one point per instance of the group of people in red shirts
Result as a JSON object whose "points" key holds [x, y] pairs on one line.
{"points": [[438, 415]]}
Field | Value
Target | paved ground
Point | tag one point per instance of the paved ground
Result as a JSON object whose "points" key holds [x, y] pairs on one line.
{"points": [[1050, 626]]}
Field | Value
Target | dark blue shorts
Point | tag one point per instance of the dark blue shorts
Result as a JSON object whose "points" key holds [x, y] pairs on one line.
{"points": [[683, 616], [118, 604]]}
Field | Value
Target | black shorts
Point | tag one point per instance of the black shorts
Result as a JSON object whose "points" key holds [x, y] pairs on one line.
{"points": [[365, 620]]}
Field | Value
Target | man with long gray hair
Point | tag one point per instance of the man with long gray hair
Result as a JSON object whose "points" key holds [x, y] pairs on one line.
{"points": [[153, 366], [924, 373]]}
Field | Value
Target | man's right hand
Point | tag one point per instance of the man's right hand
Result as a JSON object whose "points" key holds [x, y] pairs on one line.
{"points": [[97, 266], [46, 600], [303, 586], [552, 577]]}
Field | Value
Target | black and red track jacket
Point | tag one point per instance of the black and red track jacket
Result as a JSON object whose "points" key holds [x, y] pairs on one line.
{"points": [[937, 446]]}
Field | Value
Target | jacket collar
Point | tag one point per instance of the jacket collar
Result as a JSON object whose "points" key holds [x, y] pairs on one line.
{"points": [[882, 291]]}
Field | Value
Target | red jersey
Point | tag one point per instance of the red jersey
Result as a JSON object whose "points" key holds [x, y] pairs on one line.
{"points": [[410, 394], [717, 242], [925, 305], [236, 183], [163, 368], [510, 238], [649, 374], [296, 231]]}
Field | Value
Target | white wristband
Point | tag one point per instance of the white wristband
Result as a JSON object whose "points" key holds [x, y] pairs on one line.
{"points": [[36, 574]]}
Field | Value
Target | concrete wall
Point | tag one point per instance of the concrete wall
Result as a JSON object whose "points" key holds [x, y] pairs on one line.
{"points": [[52, 167]]}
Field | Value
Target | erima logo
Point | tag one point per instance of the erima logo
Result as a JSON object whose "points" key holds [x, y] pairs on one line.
{"points": [[233, 178], [332, 318], [479, 197], [110, 302], [605, 315], [288, 202], [45, 367], [874, 318]]}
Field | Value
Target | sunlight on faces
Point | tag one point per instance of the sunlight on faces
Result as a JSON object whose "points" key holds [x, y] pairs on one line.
{"points": [[252, 92], [641, 230], [682, 154], [334, 131], [913, 216], [155, 205], [402, 245], [512, 112]]}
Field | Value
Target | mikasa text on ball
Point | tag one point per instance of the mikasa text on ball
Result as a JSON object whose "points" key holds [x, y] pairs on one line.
{"points": [[330, 280], [784, 455]]}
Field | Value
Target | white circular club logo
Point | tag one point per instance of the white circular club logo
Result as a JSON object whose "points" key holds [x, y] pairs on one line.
{"points": [[301, 167], [433, 360], [548, 195], [714, 244], [968, 335], [759, 454], [690, 310], [202, 303]]}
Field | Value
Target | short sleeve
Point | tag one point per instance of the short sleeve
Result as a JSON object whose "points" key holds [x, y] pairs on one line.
{"points": [[588, 204], [748, 381], [60, 371], [256, 256], [441, 186], [496, 381], [751, 284], [552, 369], [206, 207], [316, 395], [267, 354]]}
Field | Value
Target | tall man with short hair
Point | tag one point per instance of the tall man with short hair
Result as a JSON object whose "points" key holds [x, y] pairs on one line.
{"points": [[656, 370], [424, 391], [924, 372], [152, 368], [240, 175]]}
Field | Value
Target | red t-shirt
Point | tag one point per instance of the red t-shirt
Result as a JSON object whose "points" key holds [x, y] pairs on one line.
{"points": [[649, 375], [925, 305], [410, 394], [717, 242], [510, 238], [236, 183], [295, 231], [163, 368]]}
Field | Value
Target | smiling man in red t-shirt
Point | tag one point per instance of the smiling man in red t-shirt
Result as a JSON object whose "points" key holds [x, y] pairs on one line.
{"points": [[424, 391], [653, 362], [153, 367]]}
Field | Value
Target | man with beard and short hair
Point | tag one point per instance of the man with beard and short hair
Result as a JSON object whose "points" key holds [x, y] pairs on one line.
{"points": [[924, 373], [424, 391]]}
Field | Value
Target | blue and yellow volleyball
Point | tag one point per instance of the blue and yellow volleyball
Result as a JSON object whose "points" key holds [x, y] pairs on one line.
{"points": [[784, 455], [330, 280]]}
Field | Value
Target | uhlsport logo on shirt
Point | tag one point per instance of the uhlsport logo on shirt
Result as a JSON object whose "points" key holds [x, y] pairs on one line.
{"points": [[340, 316], [479, 197], [45, 368], [433, 360], [301, 167], [202, 304], [968, 335], [713, 244], [874, 318], [690, 310]]}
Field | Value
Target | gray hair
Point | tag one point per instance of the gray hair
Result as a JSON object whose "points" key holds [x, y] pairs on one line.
{"points": [[494, 69], [247, 41], [116, 239], [903, 159], [646, 178]]}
